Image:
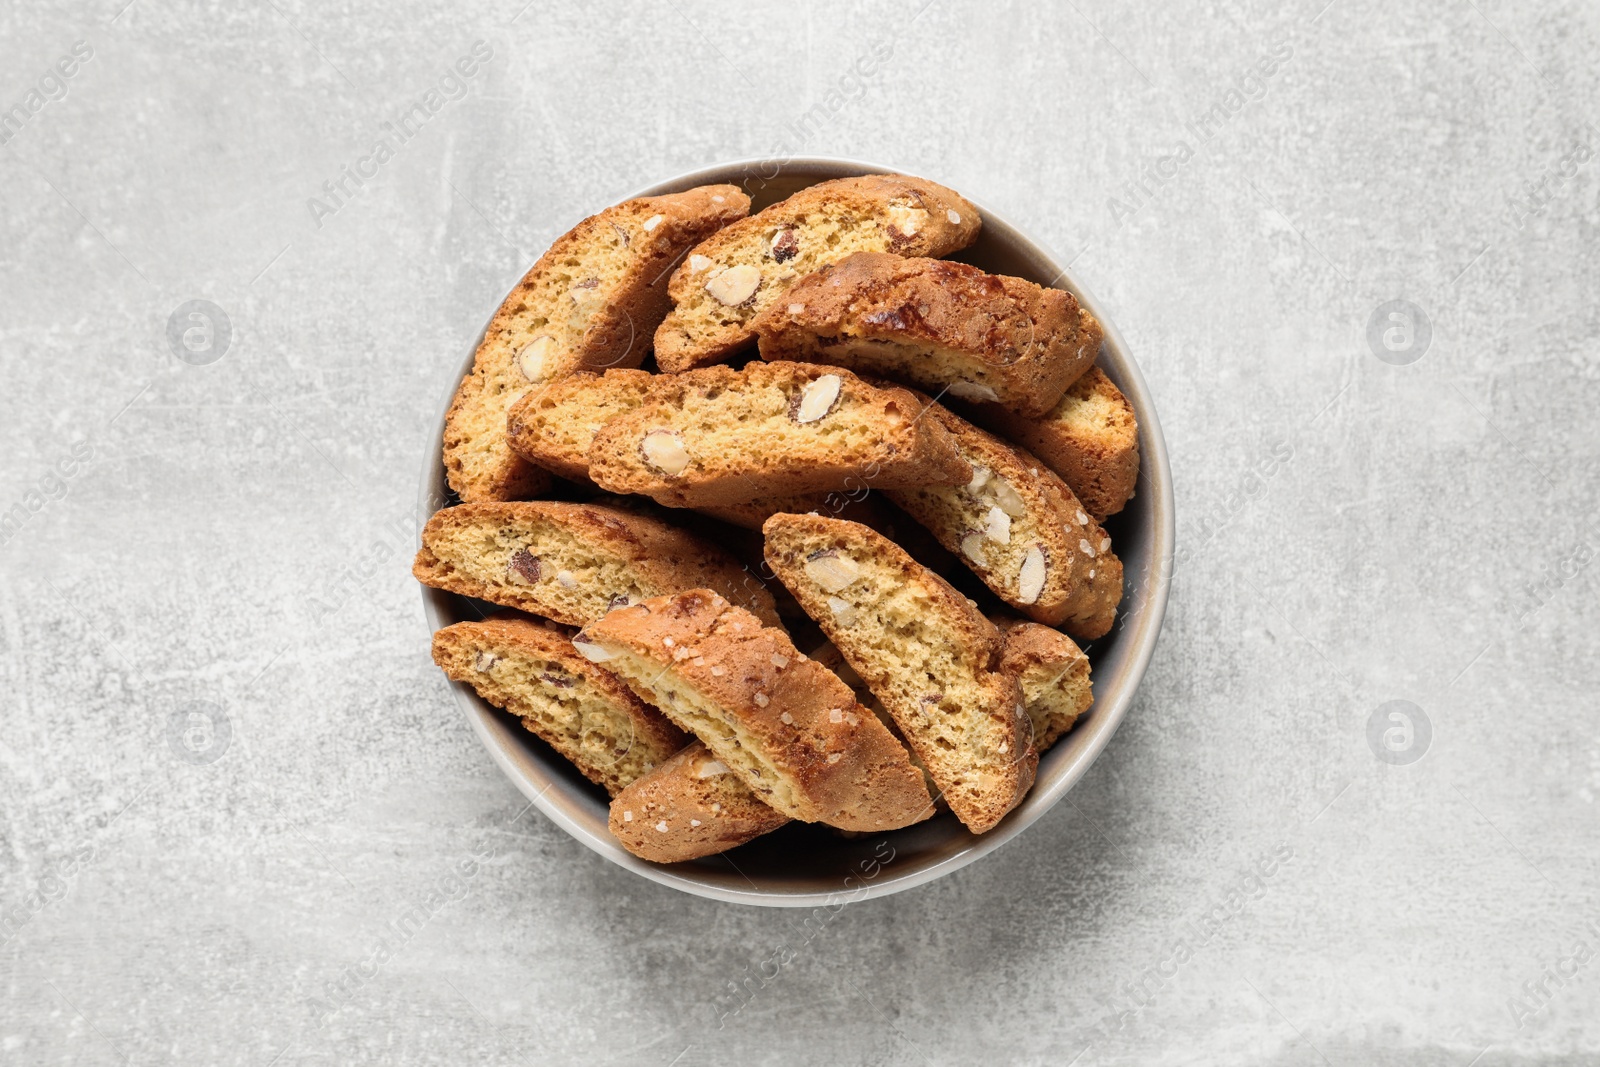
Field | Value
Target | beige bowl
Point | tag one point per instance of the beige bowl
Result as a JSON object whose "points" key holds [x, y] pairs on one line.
{"points": [[806, 866]]}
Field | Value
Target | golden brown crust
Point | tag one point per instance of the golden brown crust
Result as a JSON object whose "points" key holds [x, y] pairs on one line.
{"points": [[588, 716], [591, 302], [690, 806], [1090, 438], [787, 726], [554, 423], [923, 649], [1018, 527], [718, 436], [825, 222], [939, 325], [584, 557], [1053, 673]]}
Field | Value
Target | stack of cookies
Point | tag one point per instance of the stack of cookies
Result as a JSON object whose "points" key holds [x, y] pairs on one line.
{"points": [[695, 441]]}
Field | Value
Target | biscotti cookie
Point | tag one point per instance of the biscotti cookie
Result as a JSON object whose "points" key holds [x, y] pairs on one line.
{"points": [[1090, 438], [585, 713], [1018, 527], [948, 327], [1053, 673], [719, 436], [591, 302], [926, 652], [791, 730], [731, 277], [573, 562], [553, 425], [690, 806]]}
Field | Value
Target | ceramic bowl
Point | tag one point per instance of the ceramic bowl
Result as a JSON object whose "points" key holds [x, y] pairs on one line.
{"points": [[807, 866]]}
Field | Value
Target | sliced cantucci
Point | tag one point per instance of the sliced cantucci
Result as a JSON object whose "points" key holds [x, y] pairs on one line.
{"points": [[1018, 527]]}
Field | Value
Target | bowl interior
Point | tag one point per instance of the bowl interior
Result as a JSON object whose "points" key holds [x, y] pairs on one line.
{"points": [[803, 865]]}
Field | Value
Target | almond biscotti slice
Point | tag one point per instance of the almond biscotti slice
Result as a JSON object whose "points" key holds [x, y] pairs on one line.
{"points": [[690, 806], [1018, 527], [531, 670], [554, 424], [718, 436], [1053, 673], [791, 730], [926, 652], [591, 302], [731, 277], [948, 327], [554, 427], [573, 562], [1090, 438]]}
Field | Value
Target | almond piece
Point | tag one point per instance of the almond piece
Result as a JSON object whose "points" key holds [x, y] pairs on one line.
{"points": [[832, 571], [663, 450], [906, 219], [522, 568], [817, 399], [1030, 579], [843, 610], [1009, 499], [586, 296], [592, 652], [971, 391], [972, 546], [998, 526], [533, 360], [785, 245], [735, 285]]}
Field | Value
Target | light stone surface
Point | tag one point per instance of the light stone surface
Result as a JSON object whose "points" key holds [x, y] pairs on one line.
{"points": [[1352, 532]]}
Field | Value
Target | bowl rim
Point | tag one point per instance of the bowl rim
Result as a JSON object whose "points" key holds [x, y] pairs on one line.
{"points": [[1109, 709]]}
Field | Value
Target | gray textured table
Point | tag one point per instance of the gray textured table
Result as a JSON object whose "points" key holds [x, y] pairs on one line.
{"points": [[1377, 502]]}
